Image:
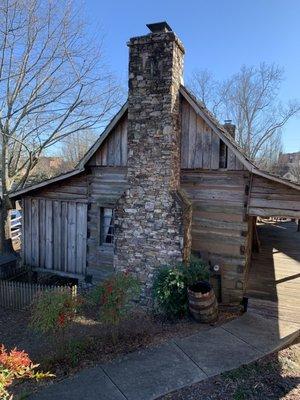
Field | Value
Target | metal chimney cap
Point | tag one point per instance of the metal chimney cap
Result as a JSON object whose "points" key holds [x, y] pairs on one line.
{"points": [[159, 27], [228, 121]]}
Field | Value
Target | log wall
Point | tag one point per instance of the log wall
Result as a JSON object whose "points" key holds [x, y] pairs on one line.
{"points": [[221, 229], [272, 199]]}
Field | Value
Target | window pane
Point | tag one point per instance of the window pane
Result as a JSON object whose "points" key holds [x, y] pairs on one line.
{"points": [[106, 226]]}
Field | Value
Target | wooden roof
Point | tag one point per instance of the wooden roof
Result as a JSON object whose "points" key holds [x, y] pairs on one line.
{"points": [[201, 110]]}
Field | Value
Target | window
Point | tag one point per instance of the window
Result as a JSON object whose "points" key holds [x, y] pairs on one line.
{"points": [[223, 155], [107, 229]]}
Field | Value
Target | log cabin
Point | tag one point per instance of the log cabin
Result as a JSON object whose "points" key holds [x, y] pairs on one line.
{"points": [[164, 179]]}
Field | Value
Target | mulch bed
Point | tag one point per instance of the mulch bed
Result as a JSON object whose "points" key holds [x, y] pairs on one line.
{"points": [[88, 342]]}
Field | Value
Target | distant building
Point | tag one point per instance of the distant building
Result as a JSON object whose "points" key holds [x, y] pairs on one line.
{"points": [[289, 164], [289, 158]]}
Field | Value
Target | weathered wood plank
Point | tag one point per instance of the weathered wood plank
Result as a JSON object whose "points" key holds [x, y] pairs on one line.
{"points": [[206, 146], [215, 151], [64, 236], [71, 237], [35, 232], [42, 223], [49, 235], [124, 143], [57, 235], [81, 236], [231, 160], [192, 139], [273, 212], [198, 144], [278, 204], [185, 134]]}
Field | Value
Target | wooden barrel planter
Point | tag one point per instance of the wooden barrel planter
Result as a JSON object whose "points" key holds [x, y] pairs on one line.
{"points": [[203, 304]]}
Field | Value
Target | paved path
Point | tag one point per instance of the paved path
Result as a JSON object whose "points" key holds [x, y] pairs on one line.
{"points": [[148, 374]]}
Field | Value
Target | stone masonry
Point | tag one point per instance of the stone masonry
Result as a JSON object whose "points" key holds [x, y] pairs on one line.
{"points": [[152, 220]]}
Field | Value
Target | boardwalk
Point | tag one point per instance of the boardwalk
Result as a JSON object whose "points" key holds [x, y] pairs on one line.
{"points": [[274, 278]]}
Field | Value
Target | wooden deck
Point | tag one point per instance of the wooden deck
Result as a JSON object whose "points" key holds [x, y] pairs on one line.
{"points": [[273, 285]]}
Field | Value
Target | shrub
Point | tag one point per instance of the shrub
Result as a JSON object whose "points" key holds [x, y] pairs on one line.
{"points": [[114, 297], [195, 271], [169, 290], [53, 311], [16, 365], [170, 286]]}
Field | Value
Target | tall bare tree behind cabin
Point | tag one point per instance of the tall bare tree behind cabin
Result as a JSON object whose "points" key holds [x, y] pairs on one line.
{"points": [[75, 146], [250, 98], [53, 83]]}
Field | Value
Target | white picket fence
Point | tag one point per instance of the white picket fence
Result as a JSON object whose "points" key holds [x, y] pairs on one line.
{"points": [[19, 295]]}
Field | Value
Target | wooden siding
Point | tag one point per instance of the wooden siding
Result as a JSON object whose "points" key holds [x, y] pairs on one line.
{"points": [[106, 186], [220, 226], [200, 146], [269, 198], [74, 188], [113, 151], [55, 233]]}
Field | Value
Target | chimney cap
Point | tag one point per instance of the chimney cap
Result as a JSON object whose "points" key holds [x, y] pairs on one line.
{"points": [[159, 27], [228, 121]]}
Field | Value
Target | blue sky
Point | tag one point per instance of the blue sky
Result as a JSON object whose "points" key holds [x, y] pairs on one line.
{"points": [[218, 35]]}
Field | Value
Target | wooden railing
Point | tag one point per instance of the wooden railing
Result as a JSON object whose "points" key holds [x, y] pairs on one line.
{"points": [[19, 295]]}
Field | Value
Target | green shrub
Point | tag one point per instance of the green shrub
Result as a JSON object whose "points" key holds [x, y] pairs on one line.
{"points": [[195, 271], [53, 311], [114, 297], [171, 283], [170, 293]]}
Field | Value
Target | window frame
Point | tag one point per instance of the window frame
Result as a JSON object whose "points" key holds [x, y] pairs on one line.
{"points": [[103, 226]]}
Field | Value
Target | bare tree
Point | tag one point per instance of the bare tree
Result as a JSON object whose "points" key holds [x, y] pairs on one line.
{"points": [[251, 99], [53, 83], [294, 170], [75, 146]]}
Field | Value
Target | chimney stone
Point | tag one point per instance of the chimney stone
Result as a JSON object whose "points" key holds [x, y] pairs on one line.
{"points": [[230, 127], [150, 227]]}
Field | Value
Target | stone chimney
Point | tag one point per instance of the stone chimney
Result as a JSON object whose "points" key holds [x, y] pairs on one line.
{"points": [[150, 218], [230, 128]]}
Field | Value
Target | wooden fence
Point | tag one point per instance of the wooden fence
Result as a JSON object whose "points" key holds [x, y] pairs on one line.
{"points": [[19, 295]]}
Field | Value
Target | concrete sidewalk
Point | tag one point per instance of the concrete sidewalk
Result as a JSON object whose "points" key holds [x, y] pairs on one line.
{"points": [[148, 374]]}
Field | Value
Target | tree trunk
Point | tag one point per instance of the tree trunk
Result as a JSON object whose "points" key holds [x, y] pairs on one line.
{"points": [[5, 242]]}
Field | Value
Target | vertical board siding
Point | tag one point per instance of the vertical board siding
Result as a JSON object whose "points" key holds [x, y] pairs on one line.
{"points": [[64, 236], [81, 237], [49, 235], [113, 151], [42, 224], [200, 146], [55, 234], [35, 232], [72, 237]]}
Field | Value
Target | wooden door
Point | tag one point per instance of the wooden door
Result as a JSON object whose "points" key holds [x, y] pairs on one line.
{"points": [[55, 235]]}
